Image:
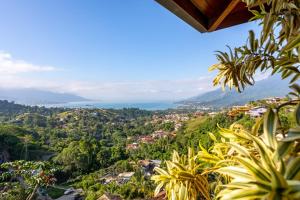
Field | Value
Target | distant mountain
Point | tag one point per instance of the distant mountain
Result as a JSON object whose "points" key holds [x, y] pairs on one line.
{"points": [[270, 87], [34, 96]]}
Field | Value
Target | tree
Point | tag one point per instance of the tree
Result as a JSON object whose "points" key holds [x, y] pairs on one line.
{"points": [[102, 156], [31, 175], [77, 156]]}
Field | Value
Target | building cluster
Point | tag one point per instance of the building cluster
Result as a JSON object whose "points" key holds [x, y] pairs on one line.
{"points": [[119, 179], [174, 117], [148, 139], [254, 111], [146, 166]]}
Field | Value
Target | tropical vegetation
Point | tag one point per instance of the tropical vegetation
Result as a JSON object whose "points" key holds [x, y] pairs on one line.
{"points": [[258, 163], [46, 150]]}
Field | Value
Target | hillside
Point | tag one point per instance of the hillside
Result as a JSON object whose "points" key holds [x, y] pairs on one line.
{"points": [[34, 96], [100, 150], [262, 89], [9, 110]]}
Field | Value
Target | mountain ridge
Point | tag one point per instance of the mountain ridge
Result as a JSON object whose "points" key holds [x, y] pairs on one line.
{"points": [[269, 87], [34, 96]]}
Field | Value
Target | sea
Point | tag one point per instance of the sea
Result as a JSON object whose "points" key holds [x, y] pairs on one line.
{"points": [[90, 104]]}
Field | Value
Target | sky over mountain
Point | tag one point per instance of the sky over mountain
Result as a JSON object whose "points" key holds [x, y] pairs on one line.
{"points": [[107, 50]]}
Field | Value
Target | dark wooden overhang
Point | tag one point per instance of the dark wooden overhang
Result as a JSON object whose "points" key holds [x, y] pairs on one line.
{"points": [[209, 15]]}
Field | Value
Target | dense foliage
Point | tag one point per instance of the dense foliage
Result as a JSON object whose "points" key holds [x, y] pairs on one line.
{"points": [[84, 145]]}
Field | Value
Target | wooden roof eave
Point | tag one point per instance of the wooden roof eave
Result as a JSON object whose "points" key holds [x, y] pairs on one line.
{"points": [[209, 15]]}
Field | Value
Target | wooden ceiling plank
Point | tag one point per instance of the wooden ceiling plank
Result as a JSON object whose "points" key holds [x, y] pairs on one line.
{"points": [[188, 12], [223, 15]]}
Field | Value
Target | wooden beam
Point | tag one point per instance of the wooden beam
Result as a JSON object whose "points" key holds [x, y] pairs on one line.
{"points": [[188, 12], [240, 16], [223, 15], [236, 18]]}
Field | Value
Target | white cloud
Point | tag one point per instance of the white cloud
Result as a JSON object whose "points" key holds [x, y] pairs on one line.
{"points": [[13, 74], [151, 90], [148, 90], [9, 65]]}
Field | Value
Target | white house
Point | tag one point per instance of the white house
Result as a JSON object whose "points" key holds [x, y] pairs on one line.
{"points": [[256, 112], [126, 176]]}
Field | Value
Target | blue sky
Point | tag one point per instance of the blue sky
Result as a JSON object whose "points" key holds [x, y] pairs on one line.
{"points": [[110, 50]]}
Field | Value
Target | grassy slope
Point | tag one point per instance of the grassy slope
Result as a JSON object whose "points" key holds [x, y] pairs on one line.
{"points": [[193, 124]]}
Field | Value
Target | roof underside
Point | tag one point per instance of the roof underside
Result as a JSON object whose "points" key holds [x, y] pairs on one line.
{"points": [[209, 15]]}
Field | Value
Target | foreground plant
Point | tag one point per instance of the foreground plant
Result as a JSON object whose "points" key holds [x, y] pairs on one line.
{"points": [[182, 179], [264, 166], [260, 165], [257, 164], [250, 164]]}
